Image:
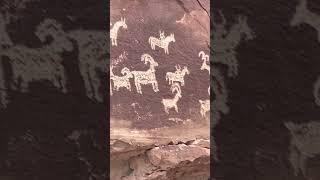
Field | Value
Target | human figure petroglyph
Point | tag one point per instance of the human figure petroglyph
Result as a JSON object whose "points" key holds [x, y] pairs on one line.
{"points": [[226, 42], [5, 43], [304, 144], [206, 61], [114, 30], [178, 75], [172, 103], [32, 64], [121, 81], [146, 77], [162, 42], [93, 50], [304, 16]]}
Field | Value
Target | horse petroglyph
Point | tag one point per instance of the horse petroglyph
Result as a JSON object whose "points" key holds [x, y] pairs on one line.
{"points": [[172, 103], [146, 77], [178, 75], [114, 31], [162, 42]]}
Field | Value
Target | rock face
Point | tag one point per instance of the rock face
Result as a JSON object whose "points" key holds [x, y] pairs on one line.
{"points": [[159, 73]]}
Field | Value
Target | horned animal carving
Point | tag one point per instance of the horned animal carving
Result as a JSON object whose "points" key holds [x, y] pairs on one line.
{"points": [[146, 77], [172, 103], [178, 75], [162, 42], [206, 61], [114, 31], [121, 81], [304, 16]]}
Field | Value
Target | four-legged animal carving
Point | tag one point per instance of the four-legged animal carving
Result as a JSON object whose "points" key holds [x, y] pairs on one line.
{"points": [[114, 31], [172, 103], [163, 42], [121, 81], [146, 77], [178, 75]]}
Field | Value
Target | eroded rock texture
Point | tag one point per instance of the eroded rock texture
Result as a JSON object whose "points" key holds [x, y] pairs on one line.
{"points": [[160, 89]]}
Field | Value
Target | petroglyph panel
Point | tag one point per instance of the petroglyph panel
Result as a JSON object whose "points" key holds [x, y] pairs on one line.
{"points": [[163, 76]]}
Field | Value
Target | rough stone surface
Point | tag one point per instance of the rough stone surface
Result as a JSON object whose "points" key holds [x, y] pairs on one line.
{"points": [[146, 141]]}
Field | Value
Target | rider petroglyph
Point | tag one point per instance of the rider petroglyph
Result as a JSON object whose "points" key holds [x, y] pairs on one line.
{"points": [[178, 75], [162, 42]]}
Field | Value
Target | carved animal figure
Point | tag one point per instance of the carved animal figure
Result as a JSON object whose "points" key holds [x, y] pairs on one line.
{"points": [[93, 50], [162, 43], [5, 43], [226, 42], [206, 61], [146, 77], [204, 107], [121, 81], [304, 144], [172, 103], [114, 30], [178, 75], [34, 64], [304, 16]]}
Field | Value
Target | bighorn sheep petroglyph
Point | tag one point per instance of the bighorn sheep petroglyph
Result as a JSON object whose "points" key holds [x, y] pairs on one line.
{"points": [[146, 77], [172, 103]]}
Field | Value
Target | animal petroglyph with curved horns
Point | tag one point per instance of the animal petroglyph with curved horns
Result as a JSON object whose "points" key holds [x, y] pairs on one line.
{"points": [[178, 75], [304, 16], [206, 61], [146, 77], [162, 42], [114, 30], [172, 103]]}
